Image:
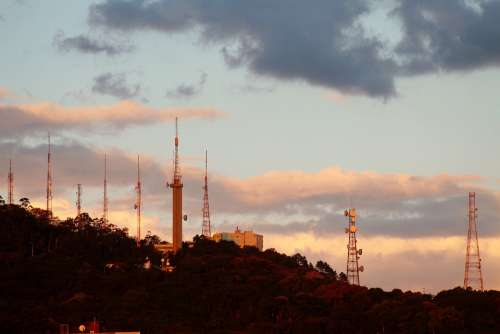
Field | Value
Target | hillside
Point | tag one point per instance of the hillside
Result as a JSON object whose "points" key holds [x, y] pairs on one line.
{"points": [[55, 273]]}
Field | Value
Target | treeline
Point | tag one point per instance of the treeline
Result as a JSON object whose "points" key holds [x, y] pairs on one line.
{"points": [[74, 270]]}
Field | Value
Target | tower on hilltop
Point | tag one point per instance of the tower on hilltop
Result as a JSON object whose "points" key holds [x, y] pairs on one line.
{"points": [[105, 208], [206, 228], [138, 203], [353, 253], [49, 181], [10, 177], [78, 200], [473, 277], [176, 186]]}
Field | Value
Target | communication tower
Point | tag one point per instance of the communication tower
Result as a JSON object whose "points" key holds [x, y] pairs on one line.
{"points": [[205, 229], [10, 177], [138, 203], [176, 186], [105, 197], [49, 181], [353, 253], [473, 277], [78, 200]]}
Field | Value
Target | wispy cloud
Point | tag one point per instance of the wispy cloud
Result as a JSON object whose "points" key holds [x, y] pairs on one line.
{"points": [[184, 91], [32, 119], [115, 85], [87, 44]]}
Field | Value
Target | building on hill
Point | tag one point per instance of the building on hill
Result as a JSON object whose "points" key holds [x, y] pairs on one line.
{"points": [[241, 238], [164, 247]]}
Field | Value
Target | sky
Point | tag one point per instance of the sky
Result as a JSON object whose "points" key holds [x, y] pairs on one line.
{"points": [[388, 106]]}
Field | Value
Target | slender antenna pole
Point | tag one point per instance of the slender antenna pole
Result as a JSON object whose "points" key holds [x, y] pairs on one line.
{"points": [[138, 202], [206, 228], [49, 181], [10, 198], [78, 200], [105, 198]]}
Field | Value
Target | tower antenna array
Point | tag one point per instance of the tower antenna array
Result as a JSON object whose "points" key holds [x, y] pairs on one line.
{"points": [[353, 254], [138, 202], [10, 197], [473, 277], [78, 199], [176, 186], [49, 181], [105, 197], [205, 230]]}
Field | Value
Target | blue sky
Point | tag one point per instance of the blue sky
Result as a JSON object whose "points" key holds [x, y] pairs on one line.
{"points": [[442, 120]]}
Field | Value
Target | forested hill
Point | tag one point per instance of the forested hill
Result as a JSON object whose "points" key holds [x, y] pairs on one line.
{"points": [[54, 273]]}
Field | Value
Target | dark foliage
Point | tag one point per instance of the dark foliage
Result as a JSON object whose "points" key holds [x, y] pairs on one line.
{"points": [[54, 273]]}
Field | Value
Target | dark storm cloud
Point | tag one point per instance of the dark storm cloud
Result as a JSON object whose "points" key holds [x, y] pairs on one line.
{"points": [[324, 43], [188, 90], [449, 35], [293, 39], [115, 85], [86, 44]]}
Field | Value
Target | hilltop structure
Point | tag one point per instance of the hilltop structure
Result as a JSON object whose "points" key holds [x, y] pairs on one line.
{"points": [[241, 238], [176, 186]]}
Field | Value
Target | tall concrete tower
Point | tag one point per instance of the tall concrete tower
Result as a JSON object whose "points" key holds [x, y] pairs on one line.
{"points": [[353, 267], [205, 228], [176, 186], [473, 277]]}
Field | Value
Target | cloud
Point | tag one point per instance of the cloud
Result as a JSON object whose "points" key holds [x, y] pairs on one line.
{"points": [[115, 85], [321, 44], [188, 90], [33, 119], [448, 35], [330, 43], [86, 44]]}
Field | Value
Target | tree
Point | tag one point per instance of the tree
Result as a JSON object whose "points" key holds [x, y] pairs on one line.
{"points": [[25, 203], [300, 260], [2, 201], [324, 268], [343, 277]]}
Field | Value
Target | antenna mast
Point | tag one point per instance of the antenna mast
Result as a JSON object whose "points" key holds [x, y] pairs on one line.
{"points": [[105, 198], [353, 253], [78, 200], [49, 181], [473, 277], [10, 197], [138, 202], [205, 229], [176, 186]]}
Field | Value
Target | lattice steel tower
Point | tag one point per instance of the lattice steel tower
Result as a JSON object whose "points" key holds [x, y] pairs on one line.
{"points": [[10, 177], [176, 186], [105, 195], [138, 203], [353, 254], [78, 200], [49, 181], [205, 229], [473, 277]]}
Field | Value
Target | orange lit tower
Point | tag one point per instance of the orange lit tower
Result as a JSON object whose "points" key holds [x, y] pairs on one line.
{"points": [[205, 229], [353, 253], [473, 277], [49, 181], [10, 177], [176, 186], [138, 203]]}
